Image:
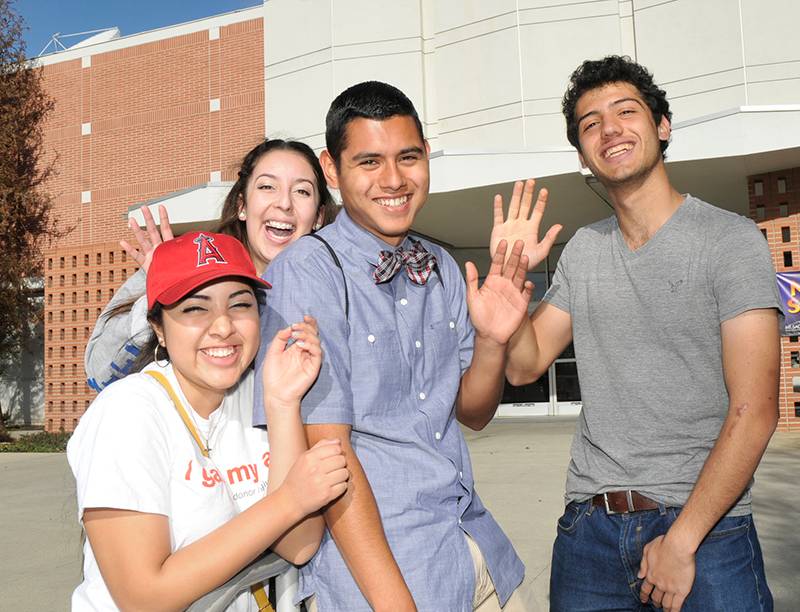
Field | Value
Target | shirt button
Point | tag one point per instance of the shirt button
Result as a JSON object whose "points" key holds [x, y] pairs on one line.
{"points": [[461, 474], [452, 325], [370, 338], [422, 396], [437, 435], [418, 344], [459, 521], [403, 302]]}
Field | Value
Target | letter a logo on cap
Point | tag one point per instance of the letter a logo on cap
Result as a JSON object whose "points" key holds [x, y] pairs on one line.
{"points": [[206, 251]]}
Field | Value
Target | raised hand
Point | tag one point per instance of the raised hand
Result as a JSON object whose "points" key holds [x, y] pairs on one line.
{"points": [[317, 477], [149, 238], [498, 307], [289, 371], [522, 224]]}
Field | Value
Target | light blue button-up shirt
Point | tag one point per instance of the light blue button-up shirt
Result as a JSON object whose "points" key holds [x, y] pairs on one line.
{"points": [[392, 371]]}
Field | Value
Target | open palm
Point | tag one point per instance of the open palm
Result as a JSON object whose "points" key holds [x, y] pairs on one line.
{"points": [[523, 223], [498, 307]]}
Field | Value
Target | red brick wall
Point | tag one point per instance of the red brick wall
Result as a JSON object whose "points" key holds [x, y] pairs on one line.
{"points": [[152, 133], [774, 211]]}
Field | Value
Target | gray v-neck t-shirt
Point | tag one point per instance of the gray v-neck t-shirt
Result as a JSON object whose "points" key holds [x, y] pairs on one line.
{"points": [[646, 330]]}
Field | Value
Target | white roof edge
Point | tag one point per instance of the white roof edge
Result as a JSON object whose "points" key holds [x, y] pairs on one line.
{"points": [[140, 38], [762, 108]]}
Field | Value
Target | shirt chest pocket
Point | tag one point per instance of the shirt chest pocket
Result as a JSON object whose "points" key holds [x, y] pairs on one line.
{"points": [[441, 344], [378, 370]]}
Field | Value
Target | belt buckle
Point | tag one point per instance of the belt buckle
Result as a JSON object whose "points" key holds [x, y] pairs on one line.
{"points": [[628, 498]]}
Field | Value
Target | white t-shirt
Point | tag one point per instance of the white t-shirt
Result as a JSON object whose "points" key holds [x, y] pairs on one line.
{"points": [[132, 451]]}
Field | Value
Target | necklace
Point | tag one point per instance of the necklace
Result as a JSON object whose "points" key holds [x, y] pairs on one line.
{"points": [[210, 429]]}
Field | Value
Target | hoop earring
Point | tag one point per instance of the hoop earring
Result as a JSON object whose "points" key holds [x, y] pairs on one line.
{"points": [[155, 357]]}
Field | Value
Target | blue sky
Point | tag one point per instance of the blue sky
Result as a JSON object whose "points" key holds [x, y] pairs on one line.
{"points": [[45, 17]]}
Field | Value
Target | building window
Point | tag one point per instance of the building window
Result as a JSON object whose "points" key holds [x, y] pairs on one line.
{"points": [[786, 234], [62, 426], [61, 281], [100, 293], [74, 352], [74, 261], [111, 257], [61, 352], [85, 314], [795, 359], [61, 262], [787, 259], [62, 405], [86, 259], [797, 409], [760, 212], [61, 316], [124, 256], [783, 209], [99, 277], [111, 276], [61, 333], [792, 339], [85, 278], [74, 279], [124, 274], [62, 388], [764, 233], [781, 185], [61, 298], [74, 297], [50, 263], [49, 298], [758, 188], [50, 317], [74, 316], [85, 296]]}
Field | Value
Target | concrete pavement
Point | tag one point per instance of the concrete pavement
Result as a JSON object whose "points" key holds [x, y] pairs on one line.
{"points": [[519, 467]]}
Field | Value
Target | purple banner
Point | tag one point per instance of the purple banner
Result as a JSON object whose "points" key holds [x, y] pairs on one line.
{"points": [[789, 288]]}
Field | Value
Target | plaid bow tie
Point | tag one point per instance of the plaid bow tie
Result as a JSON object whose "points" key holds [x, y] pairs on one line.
{"points": [[418, 262]]}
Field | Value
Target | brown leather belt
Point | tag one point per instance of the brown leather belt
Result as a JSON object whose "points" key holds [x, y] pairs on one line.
{"points": [[623, 502]]}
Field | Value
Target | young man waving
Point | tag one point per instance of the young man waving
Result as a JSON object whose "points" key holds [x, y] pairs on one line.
{"points": [[409, 351]]}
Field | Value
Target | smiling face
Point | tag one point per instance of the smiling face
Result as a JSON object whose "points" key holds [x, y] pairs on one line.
{"points": [[281, 204], [212, 336], [619, 140], [383, 175]]}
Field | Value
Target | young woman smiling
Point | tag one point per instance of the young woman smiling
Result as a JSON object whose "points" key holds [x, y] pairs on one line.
{"points": [[280, 194], [171, 478]]}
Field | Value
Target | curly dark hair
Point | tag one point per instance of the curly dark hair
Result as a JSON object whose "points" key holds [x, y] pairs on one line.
{"points": [[592, 74]]}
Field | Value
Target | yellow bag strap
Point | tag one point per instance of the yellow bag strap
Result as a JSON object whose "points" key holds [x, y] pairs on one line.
{"points": [[162, 380], [258, 591], [261, 597]]}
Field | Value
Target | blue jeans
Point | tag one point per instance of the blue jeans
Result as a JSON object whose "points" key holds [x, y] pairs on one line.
{"points": [[596, 557]]}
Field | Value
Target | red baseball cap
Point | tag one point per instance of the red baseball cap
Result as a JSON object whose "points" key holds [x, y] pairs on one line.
{"points": [[182, 264]]}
